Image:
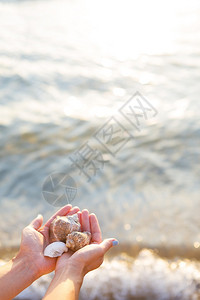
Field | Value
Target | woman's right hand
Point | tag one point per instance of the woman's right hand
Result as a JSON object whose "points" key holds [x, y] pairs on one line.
{"points": [[71, 267], [89, 257]]}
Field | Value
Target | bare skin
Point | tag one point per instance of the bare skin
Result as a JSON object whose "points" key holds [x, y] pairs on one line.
{"points": [[30, 263], [72, 267]]}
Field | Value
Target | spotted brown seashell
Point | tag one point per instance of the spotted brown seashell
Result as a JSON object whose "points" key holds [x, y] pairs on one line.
{"points": [[77, 240], [62, 226]]}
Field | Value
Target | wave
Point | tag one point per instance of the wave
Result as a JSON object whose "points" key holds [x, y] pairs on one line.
{"points": [[147, 276]]}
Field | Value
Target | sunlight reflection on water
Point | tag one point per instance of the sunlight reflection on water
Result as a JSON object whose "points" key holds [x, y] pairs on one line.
{"points": [[67, 66]]}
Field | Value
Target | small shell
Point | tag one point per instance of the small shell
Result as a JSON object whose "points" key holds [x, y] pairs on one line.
{"points": [[62, 226], [77, 240], [55, 249]]}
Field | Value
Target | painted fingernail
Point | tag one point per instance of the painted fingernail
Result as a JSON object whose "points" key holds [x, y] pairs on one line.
{"points": [[115, 243]]}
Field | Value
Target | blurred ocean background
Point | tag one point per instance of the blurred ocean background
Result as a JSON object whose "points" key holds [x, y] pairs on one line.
{"points": [[65, 68]]}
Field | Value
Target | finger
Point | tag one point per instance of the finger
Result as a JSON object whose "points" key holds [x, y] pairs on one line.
{"points": [[95, 229], [61, 212], [85, 220], [79, 216], [73, 211], [109, 243], [37, 222]]}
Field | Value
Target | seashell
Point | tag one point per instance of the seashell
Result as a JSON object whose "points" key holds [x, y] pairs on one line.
{"points": [[62, 226], [55, 249], [77, 240]]}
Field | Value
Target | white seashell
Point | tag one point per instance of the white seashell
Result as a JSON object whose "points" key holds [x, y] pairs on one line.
{"points": [[55, 249]]}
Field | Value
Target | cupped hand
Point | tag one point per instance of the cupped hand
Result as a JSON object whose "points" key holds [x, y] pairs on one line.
{"points": [[89, 257], [35, 238]]}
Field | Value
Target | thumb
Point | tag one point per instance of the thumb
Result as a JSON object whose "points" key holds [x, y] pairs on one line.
{"points": [[37, 222], [109, 243]]}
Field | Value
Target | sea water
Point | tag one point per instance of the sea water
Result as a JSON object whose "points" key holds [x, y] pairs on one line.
{"points": [[66, 67]]}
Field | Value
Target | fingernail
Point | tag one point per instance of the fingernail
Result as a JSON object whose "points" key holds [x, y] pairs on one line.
{"points": [[39, 216], [115, 243]]}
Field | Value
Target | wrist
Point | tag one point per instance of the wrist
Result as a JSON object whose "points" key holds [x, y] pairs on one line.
{"points": [[30, 269], [66, 283], [71, 271]]}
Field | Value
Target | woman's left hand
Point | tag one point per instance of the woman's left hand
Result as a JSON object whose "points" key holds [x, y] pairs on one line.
{"points": [[35, 238]]}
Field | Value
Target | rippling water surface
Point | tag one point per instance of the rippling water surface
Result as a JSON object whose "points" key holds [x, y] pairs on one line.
{"points": [[65, 68]]}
